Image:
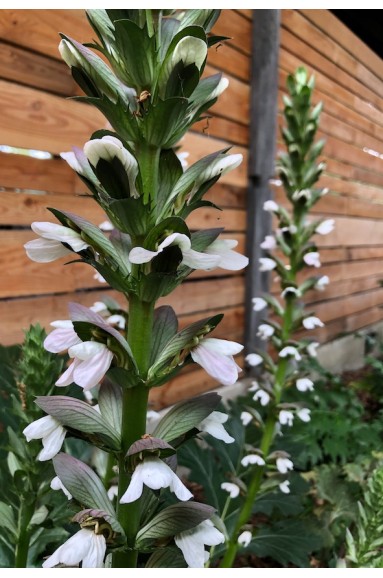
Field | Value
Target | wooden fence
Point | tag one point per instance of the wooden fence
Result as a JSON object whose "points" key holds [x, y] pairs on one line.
{"points": [[349, 82], [36, 114]]}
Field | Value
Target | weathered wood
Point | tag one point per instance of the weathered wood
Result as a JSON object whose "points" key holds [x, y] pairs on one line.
{"points": [[342, 35], [261, 157]]}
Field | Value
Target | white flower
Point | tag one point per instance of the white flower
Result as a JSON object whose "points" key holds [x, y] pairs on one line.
{"points": [[216, 357], [304, 384], [56, 484], [270, 206], [312, 348], [320, 285], [252, 459], [290, 350], [182, 156], [99, 307], [212, 424], [262, 396], [312, 259], [50, 246], [269, 243], [325, 227], [246, 418], [155, 474], [91, 361], [112, 492], [292, 291], [254, 386], [152, 416], [190, 50], [253, 359], [192, 543], [190, 258], [232, 489], [258, 303], [267, 264], [106, 226], [85, 546], [244, 539], [312, 322], [108, 148], [285, 487], [286, 417], [51, 433], [284, 465], [62, 337], [304, 414], [265, 331], [118, 320], [230, 260]]}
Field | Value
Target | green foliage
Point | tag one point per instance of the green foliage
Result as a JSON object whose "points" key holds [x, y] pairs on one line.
{"points": [[28, 512]]}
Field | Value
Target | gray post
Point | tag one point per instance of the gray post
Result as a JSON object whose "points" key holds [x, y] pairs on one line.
{"points": [[264, 100]]}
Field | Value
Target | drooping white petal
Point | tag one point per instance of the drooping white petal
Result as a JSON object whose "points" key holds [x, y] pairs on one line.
{"points": [[52, 444], [270, 206], [289, 350], [312, 349], [252, 459], [285, 487], [67, 377], [325, 227], [269, 243], [304, 414], [266, 264], [229, 259], [265, 331], [246, 418], [312, 322], [84, 546], [262, 396], [232, 489], [197, 260], [286, 417], [56, 484], [40, 428], [304, 384], [55, 232], [215, 356], [95, 362], [284, 465], [259, 303], [155, 474], [312, 259], [118, 320], [192, 543], [212, 424], [45, 251], [245, 538], [254, 359], [322, 282], [62, 337]]}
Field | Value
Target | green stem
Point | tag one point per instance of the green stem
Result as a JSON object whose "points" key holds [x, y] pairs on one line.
{"points": [[266, 441], [109, 473], [134, 409], [148, 157], [22, 548]]}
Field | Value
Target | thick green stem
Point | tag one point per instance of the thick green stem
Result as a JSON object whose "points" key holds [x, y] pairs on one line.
{"points": [[148, 157], [134, 408], [22, 548], [266, 441]]}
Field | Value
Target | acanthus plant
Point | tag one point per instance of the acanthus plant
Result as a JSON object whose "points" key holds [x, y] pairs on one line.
{"points": [[151, 94], [288, 252]]}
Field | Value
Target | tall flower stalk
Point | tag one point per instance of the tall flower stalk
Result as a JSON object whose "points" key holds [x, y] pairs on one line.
{"points": [[151, 92], [289, 254]]}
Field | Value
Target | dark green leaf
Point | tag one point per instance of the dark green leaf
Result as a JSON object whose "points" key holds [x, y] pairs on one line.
{"points": [[110, 403], [164, 328], [7, 518], [170, 557], [185, 416]]}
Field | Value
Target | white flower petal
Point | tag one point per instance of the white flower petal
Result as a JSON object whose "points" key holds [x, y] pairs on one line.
{"points": [[284, 465], [266, 264], [192, 543], [269, 244], [312, 259], [285, 487], [52, 444], [246, 418], [232, 489], [245, 538], [212, 424], [304, 384], [90, 371], [270, 206], [215, 356], [325, 227], [259, 303], [61, 338], [56, 484], [265, 331], [312, 322], [253, 359], [286, 417], [85, 546], [252, 459], [229, 259], [322, 282], [304, 414]]}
